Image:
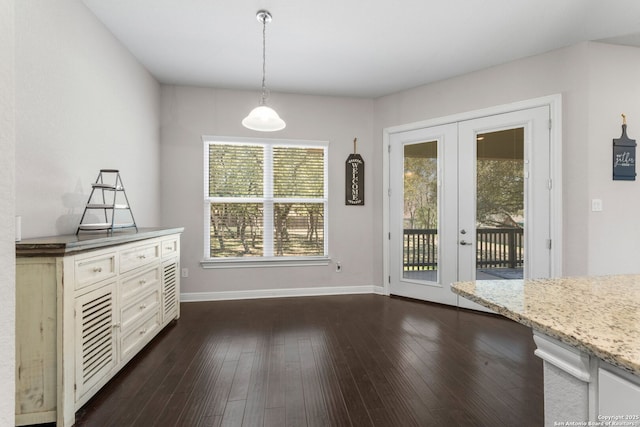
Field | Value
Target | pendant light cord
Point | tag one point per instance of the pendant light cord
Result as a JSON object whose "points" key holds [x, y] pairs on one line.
{"points": [[263, 118], [264, 59]]}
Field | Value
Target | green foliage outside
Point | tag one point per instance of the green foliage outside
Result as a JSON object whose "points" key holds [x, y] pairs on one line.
{"points": [[499, 201], [500, 193], [499, 197], [237, 227], [421, 193]]}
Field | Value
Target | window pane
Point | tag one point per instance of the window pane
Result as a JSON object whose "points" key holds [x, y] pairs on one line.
{"points": [[235, 170], [298, 229], [236, 230], [265, 199], [298, 172]]}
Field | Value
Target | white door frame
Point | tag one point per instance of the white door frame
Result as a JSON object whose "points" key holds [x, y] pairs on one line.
{"points": [[555, 165]]}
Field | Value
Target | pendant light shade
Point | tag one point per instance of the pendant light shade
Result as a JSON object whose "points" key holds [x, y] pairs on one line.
{"points": [[263, 118]]}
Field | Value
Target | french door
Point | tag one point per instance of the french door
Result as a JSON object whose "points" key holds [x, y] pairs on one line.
{"points": [[469, 200]]}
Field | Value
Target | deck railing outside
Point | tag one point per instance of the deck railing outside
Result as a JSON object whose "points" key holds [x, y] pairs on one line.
{"points": [[495, 248]]}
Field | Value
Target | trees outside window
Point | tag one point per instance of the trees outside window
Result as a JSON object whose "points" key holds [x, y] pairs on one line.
{"points": [[265, 199]]}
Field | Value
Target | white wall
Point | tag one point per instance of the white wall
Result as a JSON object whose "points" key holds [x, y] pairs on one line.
{"points": [[7, 212], [596, 82], [190, 112], [83, 103]]}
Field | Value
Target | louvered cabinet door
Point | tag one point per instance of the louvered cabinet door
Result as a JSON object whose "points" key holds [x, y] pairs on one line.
{"points": [[170, 291], [96, 322]]}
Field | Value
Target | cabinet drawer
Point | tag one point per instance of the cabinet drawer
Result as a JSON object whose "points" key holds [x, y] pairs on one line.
{"points": [[139, 308], [138, 284], [170, 247], [139, 255], [135, 338], [94, 269]]}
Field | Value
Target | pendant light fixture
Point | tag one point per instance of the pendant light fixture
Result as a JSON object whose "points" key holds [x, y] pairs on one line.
{"points": [[263, 118]]}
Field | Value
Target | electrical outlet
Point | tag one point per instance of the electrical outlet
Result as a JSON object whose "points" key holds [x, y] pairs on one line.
{"points": [[338, 267], [185, 272], [596, 205]]}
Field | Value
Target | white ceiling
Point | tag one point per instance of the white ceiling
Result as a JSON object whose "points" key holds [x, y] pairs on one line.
{"points": [[362, 48]]}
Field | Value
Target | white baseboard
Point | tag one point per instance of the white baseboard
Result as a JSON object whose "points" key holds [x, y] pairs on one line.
{"points": [[280, 293]]}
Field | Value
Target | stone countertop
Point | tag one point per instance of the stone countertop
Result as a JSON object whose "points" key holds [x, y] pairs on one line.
{"points": [[598, 315], [72, 244]]}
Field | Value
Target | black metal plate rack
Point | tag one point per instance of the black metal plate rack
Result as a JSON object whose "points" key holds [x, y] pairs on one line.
{"points": [[107, 195]]}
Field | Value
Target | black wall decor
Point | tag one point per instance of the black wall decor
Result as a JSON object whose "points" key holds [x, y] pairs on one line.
{"points": [[624, 155], [354, 178]]}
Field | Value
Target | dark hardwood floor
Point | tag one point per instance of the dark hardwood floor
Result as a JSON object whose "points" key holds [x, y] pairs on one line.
{"points": [[355, 360]]}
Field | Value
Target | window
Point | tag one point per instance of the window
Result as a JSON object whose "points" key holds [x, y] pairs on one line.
{"points": [[265, 200]]}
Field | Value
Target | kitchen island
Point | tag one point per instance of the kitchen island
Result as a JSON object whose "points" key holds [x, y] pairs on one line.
{"points": [[587, 331]]}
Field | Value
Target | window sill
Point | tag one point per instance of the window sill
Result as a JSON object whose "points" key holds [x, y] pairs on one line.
{"points": [[265, 262]]}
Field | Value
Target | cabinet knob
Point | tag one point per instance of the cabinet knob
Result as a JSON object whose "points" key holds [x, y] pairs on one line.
{"points": [[142, 256], [115, 325], [143, 306], [97, 269], [142, 282]]}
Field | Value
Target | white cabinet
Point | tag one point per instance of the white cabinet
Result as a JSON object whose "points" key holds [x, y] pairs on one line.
{"points": [[618, 396], [170, 291], [95, 350], [84, 308], [584, 389]]}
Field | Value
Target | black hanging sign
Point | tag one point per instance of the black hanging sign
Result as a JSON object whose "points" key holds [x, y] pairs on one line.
{"points": [[354, 179], [624, 155]]}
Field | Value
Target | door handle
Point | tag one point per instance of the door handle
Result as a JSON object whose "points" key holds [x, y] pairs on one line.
{"points": [[465, 243]]}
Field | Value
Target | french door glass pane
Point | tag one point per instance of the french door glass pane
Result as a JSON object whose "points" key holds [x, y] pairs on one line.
{"points": [[420, 220], [500, 205]]}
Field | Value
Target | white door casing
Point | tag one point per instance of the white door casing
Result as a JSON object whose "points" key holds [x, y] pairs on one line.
{"points": [[455, 136]]}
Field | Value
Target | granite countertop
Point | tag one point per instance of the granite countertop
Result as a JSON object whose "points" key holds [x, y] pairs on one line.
{"points": [[598, 315], [72, 244]]}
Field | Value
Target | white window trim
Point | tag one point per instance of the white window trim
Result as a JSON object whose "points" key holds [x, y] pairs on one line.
{"points": [[265, 261]]}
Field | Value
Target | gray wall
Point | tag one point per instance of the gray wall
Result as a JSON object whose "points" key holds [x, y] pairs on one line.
{"points": [[614, 88], [7, 206], [83, 103], [596, 82], [190, 112]]}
